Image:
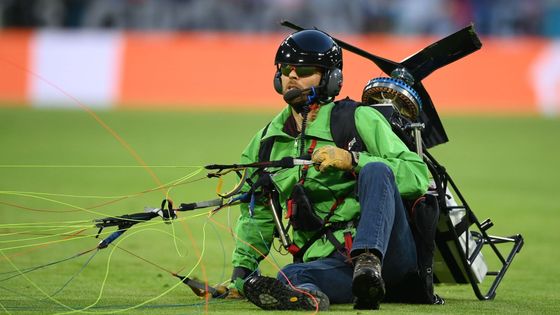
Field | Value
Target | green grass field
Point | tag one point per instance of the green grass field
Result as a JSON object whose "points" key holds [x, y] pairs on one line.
{"points": [[507, 168]]}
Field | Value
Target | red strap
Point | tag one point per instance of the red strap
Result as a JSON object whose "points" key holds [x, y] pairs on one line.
{"points": [[293, 249], [312, 146], [336, 203], [306, 167], [304, 171], [289, 210], [348, 242], [413, 209]]}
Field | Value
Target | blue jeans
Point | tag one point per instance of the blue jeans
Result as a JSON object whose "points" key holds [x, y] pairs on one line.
{"points": [[383, 226]]}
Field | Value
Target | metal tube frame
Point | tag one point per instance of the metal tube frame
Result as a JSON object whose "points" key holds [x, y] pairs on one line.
{"points": [[482, 238]]}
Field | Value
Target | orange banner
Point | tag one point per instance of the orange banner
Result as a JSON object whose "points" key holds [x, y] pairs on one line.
{"points": [[14, 66], [205, 70], [208, 70], [201, 69]]}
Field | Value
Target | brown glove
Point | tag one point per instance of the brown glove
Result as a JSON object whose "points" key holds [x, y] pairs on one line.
{"points": [[233, 294], [232, 289], [332, 157]]}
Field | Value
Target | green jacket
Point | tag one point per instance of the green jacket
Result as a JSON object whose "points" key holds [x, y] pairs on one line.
{"points": [[255, 233]]}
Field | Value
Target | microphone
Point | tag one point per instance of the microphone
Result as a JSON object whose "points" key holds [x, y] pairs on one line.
{"points": [[295, 98], [299, 98], [292, 95]]}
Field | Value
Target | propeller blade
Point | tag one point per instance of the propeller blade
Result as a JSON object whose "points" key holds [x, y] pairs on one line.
{"points": [[386, 65], [442, 53], [433, 133]]}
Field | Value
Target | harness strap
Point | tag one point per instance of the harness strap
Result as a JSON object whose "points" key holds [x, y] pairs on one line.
{"points": [[290, 208], [298, 255], [330, 236], [290, 202], [327, 226], [335, 205], [293, 249], [347, 246], [306, 167], [328, 231], [348, 243]]}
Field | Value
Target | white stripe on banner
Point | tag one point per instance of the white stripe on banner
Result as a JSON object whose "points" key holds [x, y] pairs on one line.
{"points": [[546, 79], [75, 66]]}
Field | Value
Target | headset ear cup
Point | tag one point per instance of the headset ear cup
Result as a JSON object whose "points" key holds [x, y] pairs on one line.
{"points": [[278, 82], [334, 82]]}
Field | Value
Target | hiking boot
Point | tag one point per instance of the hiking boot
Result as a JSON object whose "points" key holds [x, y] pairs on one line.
{"points": [[271, 294], [367, 284]]}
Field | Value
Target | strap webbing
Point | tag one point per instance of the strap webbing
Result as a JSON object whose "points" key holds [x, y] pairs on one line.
{"points": [[305, 168]]}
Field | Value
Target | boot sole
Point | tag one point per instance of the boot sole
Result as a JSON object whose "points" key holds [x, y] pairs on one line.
{"points": [[271, 294], [368, 290]]}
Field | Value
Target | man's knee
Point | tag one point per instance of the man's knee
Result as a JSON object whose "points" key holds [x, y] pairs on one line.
{"points": [[377, 169], [289, 272]]}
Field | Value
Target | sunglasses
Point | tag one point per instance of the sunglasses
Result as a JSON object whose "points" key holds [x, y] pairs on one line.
{"points": [[301, 71]]}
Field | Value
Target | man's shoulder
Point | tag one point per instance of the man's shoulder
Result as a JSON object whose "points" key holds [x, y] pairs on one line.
{"points": [[370, 111], [359, 109], [347, 101]]}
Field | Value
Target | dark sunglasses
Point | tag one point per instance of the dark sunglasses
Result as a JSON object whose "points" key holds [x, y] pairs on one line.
{"points": [[301, 71]]}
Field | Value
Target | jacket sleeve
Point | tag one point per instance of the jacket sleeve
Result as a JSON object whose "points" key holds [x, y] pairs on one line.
{"points": [[254, 233], [383, 145]]}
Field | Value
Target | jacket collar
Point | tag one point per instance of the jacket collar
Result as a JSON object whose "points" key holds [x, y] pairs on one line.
{"points": [[319, 128]]}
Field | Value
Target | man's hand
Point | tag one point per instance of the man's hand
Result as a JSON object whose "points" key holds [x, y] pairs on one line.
{"points": [[233, 294], [332, 157], [233, 291]]}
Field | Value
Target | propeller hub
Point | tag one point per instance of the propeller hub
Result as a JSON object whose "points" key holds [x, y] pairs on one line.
{"points": [[393, 91], [404, 75]]}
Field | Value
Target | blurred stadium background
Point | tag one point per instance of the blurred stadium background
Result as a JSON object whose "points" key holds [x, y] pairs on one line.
{"points": [[132, 60], [497, 17], [191, 53]]}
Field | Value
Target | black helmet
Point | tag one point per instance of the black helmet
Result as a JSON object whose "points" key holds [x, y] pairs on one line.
{"points": [[310, 48]]}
